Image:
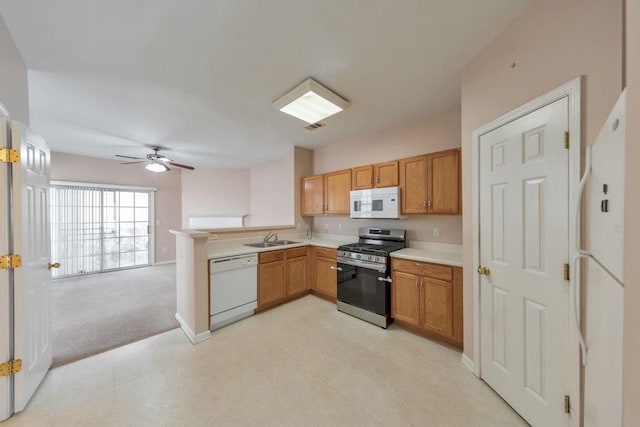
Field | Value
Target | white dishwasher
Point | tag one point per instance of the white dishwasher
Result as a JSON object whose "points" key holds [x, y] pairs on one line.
{"points": [[233, 284]]}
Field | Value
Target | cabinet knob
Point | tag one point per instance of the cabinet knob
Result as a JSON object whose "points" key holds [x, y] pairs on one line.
{"points": [[424, 203], [428, 203]]}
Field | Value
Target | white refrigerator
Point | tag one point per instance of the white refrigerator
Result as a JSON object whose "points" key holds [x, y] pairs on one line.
{"points": [[601, 253]]}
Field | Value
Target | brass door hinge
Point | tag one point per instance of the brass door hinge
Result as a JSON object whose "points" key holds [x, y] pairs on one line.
{"points": [[567, 404], [9, 155], [9, 262], [566, 139], [566, 272], [11, 367]]}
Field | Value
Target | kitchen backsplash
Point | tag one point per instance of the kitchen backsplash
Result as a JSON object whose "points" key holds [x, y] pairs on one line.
{"points": [[418, 228]]}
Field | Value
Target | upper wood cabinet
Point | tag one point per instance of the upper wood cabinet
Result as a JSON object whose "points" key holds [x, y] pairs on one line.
{"points": [[385, 174], [413, 185], [375, 176], [362, 177], [337, 186], [429, 184], [313, 195], [443, 182]]}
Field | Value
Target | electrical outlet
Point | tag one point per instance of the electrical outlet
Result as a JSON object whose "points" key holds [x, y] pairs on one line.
{"points": [[340, 227], [213, 236], [326, 227], [436, 231], [165, 250]]}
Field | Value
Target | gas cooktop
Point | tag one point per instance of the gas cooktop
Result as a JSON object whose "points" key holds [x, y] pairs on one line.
{"points": [[373, 249]]}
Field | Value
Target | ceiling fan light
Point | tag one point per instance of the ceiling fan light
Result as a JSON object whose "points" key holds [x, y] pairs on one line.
{"points": [[311, 102], [156, 167]]}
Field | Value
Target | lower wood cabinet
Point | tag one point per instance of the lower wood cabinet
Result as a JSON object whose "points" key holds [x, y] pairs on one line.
{"points": [[282, 275], [325, 277], [272, 286], [297, 271], [428, 297]]}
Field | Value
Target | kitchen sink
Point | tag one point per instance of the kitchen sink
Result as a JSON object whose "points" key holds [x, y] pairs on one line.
{"points": [[270, 244], [262, 244], [283, 242]]}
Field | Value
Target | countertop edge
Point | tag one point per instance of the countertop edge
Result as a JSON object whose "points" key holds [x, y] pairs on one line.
{"points": [[427, 257]]}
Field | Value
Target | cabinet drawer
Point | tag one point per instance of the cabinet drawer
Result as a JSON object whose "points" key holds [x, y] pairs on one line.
{"points": [[271, 256], [326, 253], [406, 266], [434, 271], [296, 252]]}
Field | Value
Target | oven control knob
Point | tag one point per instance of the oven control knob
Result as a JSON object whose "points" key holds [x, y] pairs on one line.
{"points": [[358, 256], [369, 257]]}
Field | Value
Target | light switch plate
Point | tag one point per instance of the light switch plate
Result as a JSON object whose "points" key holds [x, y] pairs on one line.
{"points": [[436, 231]]}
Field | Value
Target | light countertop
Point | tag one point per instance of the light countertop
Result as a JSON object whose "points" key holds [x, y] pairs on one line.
{"points": [[234, 247], [437, 253]]}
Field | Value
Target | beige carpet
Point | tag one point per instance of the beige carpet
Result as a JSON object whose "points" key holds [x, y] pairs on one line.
{"points": [[98, 312]]}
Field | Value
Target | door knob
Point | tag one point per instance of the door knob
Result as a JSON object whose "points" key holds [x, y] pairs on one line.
{"points": [[54, 265], [484, 270]]}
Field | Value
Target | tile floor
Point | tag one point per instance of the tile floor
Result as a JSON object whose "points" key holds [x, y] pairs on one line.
{"points": [[300, 364]]}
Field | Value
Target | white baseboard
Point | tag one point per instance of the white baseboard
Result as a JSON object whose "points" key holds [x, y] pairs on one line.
{"points": [[195, 339], [468, 363], [165, 262]]}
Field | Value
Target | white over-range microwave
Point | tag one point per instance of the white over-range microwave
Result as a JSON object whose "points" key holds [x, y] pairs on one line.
{"points": [[381, 203]]}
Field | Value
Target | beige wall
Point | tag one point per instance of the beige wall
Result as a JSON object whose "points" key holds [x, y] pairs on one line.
{"points": [[551, 42], [272, 193], [71, 167], [14, 94], [433, 133], [302, 166], [632, 226], [215, 192]]}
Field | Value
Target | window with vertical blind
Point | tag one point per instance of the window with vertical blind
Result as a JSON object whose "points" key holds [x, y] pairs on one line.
{"points": [[99, 228]]}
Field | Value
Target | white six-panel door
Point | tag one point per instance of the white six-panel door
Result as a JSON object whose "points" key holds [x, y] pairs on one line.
{"points": [[32, 293], [524, 240]]}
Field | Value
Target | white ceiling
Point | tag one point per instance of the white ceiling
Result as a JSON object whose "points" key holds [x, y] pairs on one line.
{"points": [[199, 77]]}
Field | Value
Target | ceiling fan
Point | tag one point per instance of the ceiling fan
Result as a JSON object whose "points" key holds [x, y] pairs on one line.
{"points": [[156, 162]]}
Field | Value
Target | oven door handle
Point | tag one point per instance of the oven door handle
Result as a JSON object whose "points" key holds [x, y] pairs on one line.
{"points": [[385, 279], [377, 267], [333, 267]]}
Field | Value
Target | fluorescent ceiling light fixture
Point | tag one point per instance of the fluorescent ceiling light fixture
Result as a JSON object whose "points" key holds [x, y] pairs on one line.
{"points": [[156, 167], [311, 102]]}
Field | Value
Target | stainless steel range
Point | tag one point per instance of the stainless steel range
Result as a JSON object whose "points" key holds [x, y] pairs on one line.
{"points": [[364, 274]]}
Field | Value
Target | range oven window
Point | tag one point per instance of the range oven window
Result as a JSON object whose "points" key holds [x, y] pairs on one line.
{"points": [[360, 287]]}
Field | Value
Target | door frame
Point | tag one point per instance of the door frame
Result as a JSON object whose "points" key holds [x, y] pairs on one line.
{"points": [[6, 330], [572, 91]]}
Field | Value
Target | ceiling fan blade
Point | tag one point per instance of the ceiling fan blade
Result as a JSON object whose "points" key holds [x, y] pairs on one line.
{"points": [[131, 163], [129, 157], [178, 165]]}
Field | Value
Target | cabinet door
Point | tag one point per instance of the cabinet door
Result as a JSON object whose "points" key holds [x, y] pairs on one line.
{"points": [[337, 186], [405, 297], [313, 195], [386, 174], [437, 308], [271, 282], [327, 277], [296, 275], [444, 182], [413, 185], [362, 177]]}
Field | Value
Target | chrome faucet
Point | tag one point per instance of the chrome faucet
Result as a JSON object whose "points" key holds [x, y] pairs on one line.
{"points": [[269, 236]]}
